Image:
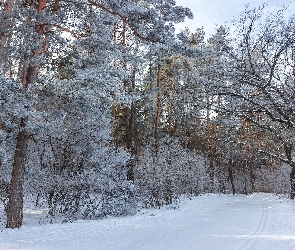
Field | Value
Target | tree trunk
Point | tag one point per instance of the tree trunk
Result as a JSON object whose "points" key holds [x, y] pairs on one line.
{"points": [[209, 143], [231, 176], [15, 203], [158, 110], [170, 113], [29, 75], [288, 147], [292, 181]]}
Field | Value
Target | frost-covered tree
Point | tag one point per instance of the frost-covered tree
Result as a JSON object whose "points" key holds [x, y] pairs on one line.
{"points": [[258, 74], [70, 47], [169, 91]]}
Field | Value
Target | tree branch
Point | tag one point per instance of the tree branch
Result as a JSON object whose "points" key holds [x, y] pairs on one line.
{"points": [[67, 30], [124, 19], [275, 156]]}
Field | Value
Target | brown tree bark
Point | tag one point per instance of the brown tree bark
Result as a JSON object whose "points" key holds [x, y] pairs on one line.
{"points": [[15, 203], [170, 113], [158, 110]]}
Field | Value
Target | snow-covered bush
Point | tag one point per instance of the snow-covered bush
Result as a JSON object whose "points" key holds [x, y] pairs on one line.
{"points": [[160, 178], [273, 179], [98, 190]]}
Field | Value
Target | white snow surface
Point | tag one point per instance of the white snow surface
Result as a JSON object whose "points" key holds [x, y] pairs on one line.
{"points": [[217, 222]]}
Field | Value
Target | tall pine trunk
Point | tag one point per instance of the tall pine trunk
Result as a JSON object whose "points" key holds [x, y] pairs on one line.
{"points": [[15, 203], [158, 110]]}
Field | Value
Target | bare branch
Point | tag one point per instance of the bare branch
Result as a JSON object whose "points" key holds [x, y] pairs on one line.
{"points": [[67, 30], [275, 156]]}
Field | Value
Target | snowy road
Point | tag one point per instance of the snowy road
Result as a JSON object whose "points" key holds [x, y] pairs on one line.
{"points": [[239, 222]]}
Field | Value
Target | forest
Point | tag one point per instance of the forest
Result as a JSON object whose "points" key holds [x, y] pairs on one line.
{"points": [[105, 109]]}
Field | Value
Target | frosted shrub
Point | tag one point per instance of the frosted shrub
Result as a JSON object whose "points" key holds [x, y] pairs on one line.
{"points": [[99, 190], [273, 179], [160, 178]]}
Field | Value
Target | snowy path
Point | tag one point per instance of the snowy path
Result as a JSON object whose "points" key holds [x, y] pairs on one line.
{"points": [[227, 222]]}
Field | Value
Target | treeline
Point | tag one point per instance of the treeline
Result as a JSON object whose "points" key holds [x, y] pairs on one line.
{"points": [[104, 109]]}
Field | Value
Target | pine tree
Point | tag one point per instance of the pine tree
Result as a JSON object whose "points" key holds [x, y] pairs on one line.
{"points": [[78, 37]]}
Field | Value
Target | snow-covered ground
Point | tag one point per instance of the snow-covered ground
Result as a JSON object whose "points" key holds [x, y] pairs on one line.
{"points": [[217, 222]]}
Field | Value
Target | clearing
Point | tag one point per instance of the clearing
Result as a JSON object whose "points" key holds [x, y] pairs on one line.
{"points": [[258, 221]]}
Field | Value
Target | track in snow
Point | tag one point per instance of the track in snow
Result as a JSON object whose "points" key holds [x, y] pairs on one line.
{"points": [[249, 243]]}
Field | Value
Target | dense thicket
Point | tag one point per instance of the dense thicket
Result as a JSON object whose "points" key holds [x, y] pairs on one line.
{"points": [[104, 109]]}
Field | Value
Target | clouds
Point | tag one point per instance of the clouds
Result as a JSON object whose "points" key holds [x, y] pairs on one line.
{"points": [[213, 13]]}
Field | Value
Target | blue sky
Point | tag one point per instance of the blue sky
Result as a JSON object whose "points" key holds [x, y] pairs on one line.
{"points": [[208, 13]]}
